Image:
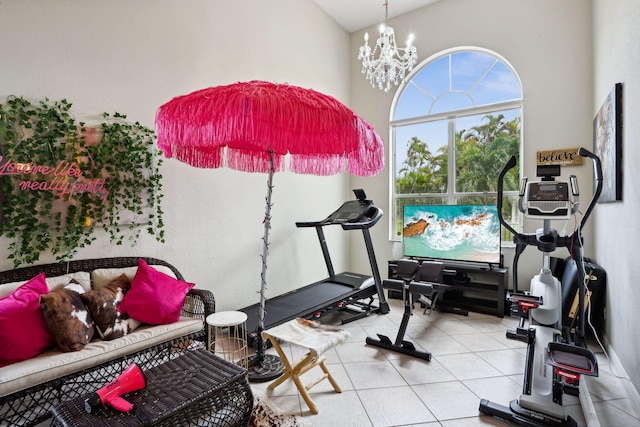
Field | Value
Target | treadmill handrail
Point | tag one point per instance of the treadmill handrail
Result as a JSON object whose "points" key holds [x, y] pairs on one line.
{"points": [[322, 223], [373, 214]]}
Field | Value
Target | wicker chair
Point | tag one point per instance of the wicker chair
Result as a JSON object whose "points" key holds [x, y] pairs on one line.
{"points": [[31, 406]]}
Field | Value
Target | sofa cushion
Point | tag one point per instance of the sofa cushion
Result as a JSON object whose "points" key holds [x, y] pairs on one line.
{"points": [[54, 363], [81, 277], [103, 276], [19, 313], [103, 305], [53, 283], [154, 298]]}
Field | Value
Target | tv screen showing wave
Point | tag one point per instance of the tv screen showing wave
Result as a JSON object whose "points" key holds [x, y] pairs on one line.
{"points": [[452, 232]]}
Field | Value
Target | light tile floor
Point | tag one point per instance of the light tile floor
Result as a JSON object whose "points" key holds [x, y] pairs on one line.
{"points": [[471, 359], [609, 396]]}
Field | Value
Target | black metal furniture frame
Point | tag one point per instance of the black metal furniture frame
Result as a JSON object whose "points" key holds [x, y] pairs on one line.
{"points": [[31, 406], [197, 388], [414, 280]]}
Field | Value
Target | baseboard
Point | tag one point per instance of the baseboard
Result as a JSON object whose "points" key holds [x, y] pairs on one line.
{"points": [[586, 402], [585, 397]]}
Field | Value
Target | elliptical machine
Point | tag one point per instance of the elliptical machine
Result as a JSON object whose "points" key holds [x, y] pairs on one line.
{"points": [[555, 358]]}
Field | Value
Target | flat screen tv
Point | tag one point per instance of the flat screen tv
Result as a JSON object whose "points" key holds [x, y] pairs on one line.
{"points": [[465, 233]]}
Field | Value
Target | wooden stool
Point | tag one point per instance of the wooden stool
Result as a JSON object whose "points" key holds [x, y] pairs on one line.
{"points": [[318, 338]]}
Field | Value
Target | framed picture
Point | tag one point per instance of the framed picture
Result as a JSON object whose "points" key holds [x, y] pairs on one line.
{"points": [[607, 144]]}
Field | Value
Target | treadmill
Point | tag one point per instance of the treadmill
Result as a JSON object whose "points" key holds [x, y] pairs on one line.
{"points": [[339, 292]]}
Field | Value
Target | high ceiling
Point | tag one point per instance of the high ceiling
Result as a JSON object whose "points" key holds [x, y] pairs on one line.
{"points": [[355, 15]]}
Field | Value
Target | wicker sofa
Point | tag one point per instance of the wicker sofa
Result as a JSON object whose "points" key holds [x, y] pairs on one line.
{"points": [[30, 388]]}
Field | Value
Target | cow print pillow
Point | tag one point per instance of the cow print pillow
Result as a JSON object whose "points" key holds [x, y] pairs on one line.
{"points": [[67, 317], [103, 305]]}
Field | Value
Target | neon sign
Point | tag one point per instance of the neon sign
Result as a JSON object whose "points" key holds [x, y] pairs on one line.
{"points": [[65, 179]]}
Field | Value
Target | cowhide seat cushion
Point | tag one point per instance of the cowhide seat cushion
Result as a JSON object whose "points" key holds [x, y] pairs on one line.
{"points": [[67, 317], [267, 414]]}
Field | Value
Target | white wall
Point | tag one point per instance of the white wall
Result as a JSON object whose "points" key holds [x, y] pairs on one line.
{"points": [[549, 45], [617, 60], [133, 56]]}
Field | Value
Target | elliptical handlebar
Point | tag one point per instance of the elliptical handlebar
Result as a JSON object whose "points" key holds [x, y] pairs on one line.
{"points": [[511, 163], [518, 238], [508, 166], [597, 170], [522, 240]]}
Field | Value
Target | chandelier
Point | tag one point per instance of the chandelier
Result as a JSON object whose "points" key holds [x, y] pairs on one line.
{"points": [[393, 62]]}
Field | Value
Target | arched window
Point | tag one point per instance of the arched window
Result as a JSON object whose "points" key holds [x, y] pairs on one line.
{"points": [[454, 125]]}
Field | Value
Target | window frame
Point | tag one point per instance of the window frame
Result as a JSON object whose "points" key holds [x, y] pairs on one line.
{"points": [[450, 116]]}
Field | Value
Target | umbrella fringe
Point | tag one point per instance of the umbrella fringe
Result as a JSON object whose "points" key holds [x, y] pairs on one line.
{"points": [[328, 164], [253, 161], [257, 117], [206, 157]]}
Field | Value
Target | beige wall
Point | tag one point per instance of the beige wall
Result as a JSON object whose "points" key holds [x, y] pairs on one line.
{"points": [[617, 233], [133, 56]]}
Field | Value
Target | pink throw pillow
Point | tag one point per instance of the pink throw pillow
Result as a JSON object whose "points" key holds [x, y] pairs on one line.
{"points": [[154, 297], [23, 330]]}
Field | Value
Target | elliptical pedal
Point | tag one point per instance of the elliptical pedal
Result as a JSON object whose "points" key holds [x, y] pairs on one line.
{"points": [[571, 358], [522, 302]]}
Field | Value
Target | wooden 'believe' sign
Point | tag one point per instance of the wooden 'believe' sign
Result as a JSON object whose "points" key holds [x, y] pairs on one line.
{"points": [[563, 157]]}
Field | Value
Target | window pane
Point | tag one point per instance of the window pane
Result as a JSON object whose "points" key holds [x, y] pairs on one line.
{"points": [[451, 101], [414, 102], [422, 90], [500, 84], [457, 81], [511, 215], [484, 144], [468, 69], [421, 158]]}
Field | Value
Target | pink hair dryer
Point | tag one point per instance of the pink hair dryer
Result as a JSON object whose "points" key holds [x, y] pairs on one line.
{"points": [[131, 379]]}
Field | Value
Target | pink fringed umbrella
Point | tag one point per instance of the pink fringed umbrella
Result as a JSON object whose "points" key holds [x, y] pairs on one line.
{"points": [[253, 126]]}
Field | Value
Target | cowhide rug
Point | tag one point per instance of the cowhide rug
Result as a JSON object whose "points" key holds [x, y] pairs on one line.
{"points": [[267, 414]]}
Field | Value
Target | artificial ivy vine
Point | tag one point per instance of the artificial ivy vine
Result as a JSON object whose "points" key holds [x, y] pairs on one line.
{"points": [[60, 179]]}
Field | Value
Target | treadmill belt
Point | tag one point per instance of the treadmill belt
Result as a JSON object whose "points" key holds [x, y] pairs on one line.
{"points": [[298, 303]]}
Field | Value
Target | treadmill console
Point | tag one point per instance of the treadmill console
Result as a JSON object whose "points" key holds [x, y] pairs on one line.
{"points": [[351, 211], [354, 214]]}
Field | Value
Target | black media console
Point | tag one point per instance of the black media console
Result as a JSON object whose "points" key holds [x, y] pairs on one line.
{"points": [[473, 288]]}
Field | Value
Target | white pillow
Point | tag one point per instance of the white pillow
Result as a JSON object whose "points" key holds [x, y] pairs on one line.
{"points": [[59, 282], [53, 283], [103, 276]]}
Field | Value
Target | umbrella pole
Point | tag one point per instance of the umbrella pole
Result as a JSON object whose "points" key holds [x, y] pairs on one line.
{"points": [[265, 367], [265, 254]]}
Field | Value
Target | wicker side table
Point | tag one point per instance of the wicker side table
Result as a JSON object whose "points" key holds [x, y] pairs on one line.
{"points": [[197, 388]]}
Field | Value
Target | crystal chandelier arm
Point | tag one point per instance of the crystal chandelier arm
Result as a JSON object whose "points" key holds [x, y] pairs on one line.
{"points": [[392, 62]]}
